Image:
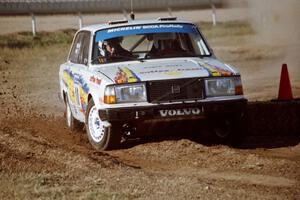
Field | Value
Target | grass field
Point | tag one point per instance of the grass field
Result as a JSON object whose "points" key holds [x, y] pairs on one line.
{"points": [[25, 39]]}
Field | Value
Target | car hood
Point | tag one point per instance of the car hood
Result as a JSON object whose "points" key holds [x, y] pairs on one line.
{"points": [[163, 69]]}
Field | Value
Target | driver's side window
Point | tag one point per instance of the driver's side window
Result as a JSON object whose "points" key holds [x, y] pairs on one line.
{"points": [[80, 48]]}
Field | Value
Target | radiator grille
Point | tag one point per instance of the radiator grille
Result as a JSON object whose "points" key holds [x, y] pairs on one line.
{"points": [[175, 90]]}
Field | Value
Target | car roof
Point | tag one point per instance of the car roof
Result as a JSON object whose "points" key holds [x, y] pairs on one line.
{"points": [[96, 27]]}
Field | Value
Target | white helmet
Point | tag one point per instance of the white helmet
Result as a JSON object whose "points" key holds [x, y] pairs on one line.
{"points": [[101, 47]]}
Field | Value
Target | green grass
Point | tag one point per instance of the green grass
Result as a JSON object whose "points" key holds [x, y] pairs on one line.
{"points": [[27, 40], [226, 29]]}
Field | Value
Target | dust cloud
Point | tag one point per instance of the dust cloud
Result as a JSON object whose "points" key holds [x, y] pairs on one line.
{"points": [[277, 23], [276, 20]]}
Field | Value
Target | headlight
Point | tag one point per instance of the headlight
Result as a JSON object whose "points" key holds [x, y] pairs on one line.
{"points": [[110, 95], [223, 86], [125, 93]]}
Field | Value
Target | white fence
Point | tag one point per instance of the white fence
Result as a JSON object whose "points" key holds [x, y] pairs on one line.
{"points": [[38, 7], [9, 7]]}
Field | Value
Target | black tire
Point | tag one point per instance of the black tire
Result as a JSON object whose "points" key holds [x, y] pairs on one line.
{"points": [[109, 135], [71, 122], [230, 131], [240, 132]]}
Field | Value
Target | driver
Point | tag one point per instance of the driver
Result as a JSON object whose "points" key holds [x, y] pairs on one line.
{"points": [[111, 50]]}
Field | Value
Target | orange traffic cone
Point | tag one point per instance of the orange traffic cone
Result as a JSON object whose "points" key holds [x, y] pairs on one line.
{"points": [[285, 89]]}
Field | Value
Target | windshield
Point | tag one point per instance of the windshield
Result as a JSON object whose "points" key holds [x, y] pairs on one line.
{"points": [[148, 42]]}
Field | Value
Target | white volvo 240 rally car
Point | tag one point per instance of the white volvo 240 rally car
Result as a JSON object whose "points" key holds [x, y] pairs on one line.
{"points": [[123, 73]]}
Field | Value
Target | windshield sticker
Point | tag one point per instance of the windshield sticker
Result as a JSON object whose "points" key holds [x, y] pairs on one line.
{"points": [[71, 79], [125, 75], [144, 29]]}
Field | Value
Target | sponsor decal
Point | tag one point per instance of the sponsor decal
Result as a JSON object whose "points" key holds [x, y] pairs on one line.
{"points": [[215, 70], [68, 80], [171, 72], [96, 80], [180, 112], [223, 72], [144, 29], [77, 87], [165, 66], [125, 75]]}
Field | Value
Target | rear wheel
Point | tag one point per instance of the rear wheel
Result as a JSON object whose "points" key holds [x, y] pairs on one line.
{"points": [[229, 131], [103, 135]]}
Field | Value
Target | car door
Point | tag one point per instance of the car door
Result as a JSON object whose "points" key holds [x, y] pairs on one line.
{"points": [[78, 59]]}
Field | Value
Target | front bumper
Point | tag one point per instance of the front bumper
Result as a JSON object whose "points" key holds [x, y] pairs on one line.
{"points": [[228, 108]]}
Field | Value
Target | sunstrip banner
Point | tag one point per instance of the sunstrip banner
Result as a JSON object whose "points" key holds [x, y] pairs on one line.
{"points": [[144, 29]]}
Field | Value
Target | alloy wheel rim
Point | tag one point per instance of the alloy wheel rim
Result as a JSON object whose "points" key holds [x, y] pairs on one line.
{"points": [[95, 124]]}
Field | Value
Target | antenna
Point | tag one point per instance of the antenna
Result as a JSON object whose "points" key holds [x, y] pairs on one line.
{"points": [[131, 10]]}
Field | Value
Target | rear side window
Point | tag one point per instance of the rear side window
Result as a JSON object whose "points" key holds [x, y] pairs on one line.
{"points": [[80, 49]]}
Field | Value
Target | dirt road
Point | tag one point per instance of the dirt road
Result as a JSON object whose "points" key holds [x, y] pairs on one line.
{"points": [[41, 159]]}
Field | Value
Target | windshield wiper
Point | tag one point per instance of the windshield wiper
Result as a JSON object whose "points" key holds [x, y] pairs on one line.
{"points": [[126, 57], [194, 54]]}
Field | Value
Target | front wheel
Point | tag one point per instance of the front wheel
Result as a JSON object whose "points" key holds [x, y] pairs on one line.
{"points": [[102, 134]]}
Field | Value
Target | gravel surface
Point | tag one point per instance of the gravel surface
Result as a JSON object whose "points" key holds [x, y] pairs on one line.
{"points": [[41, 159]]}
